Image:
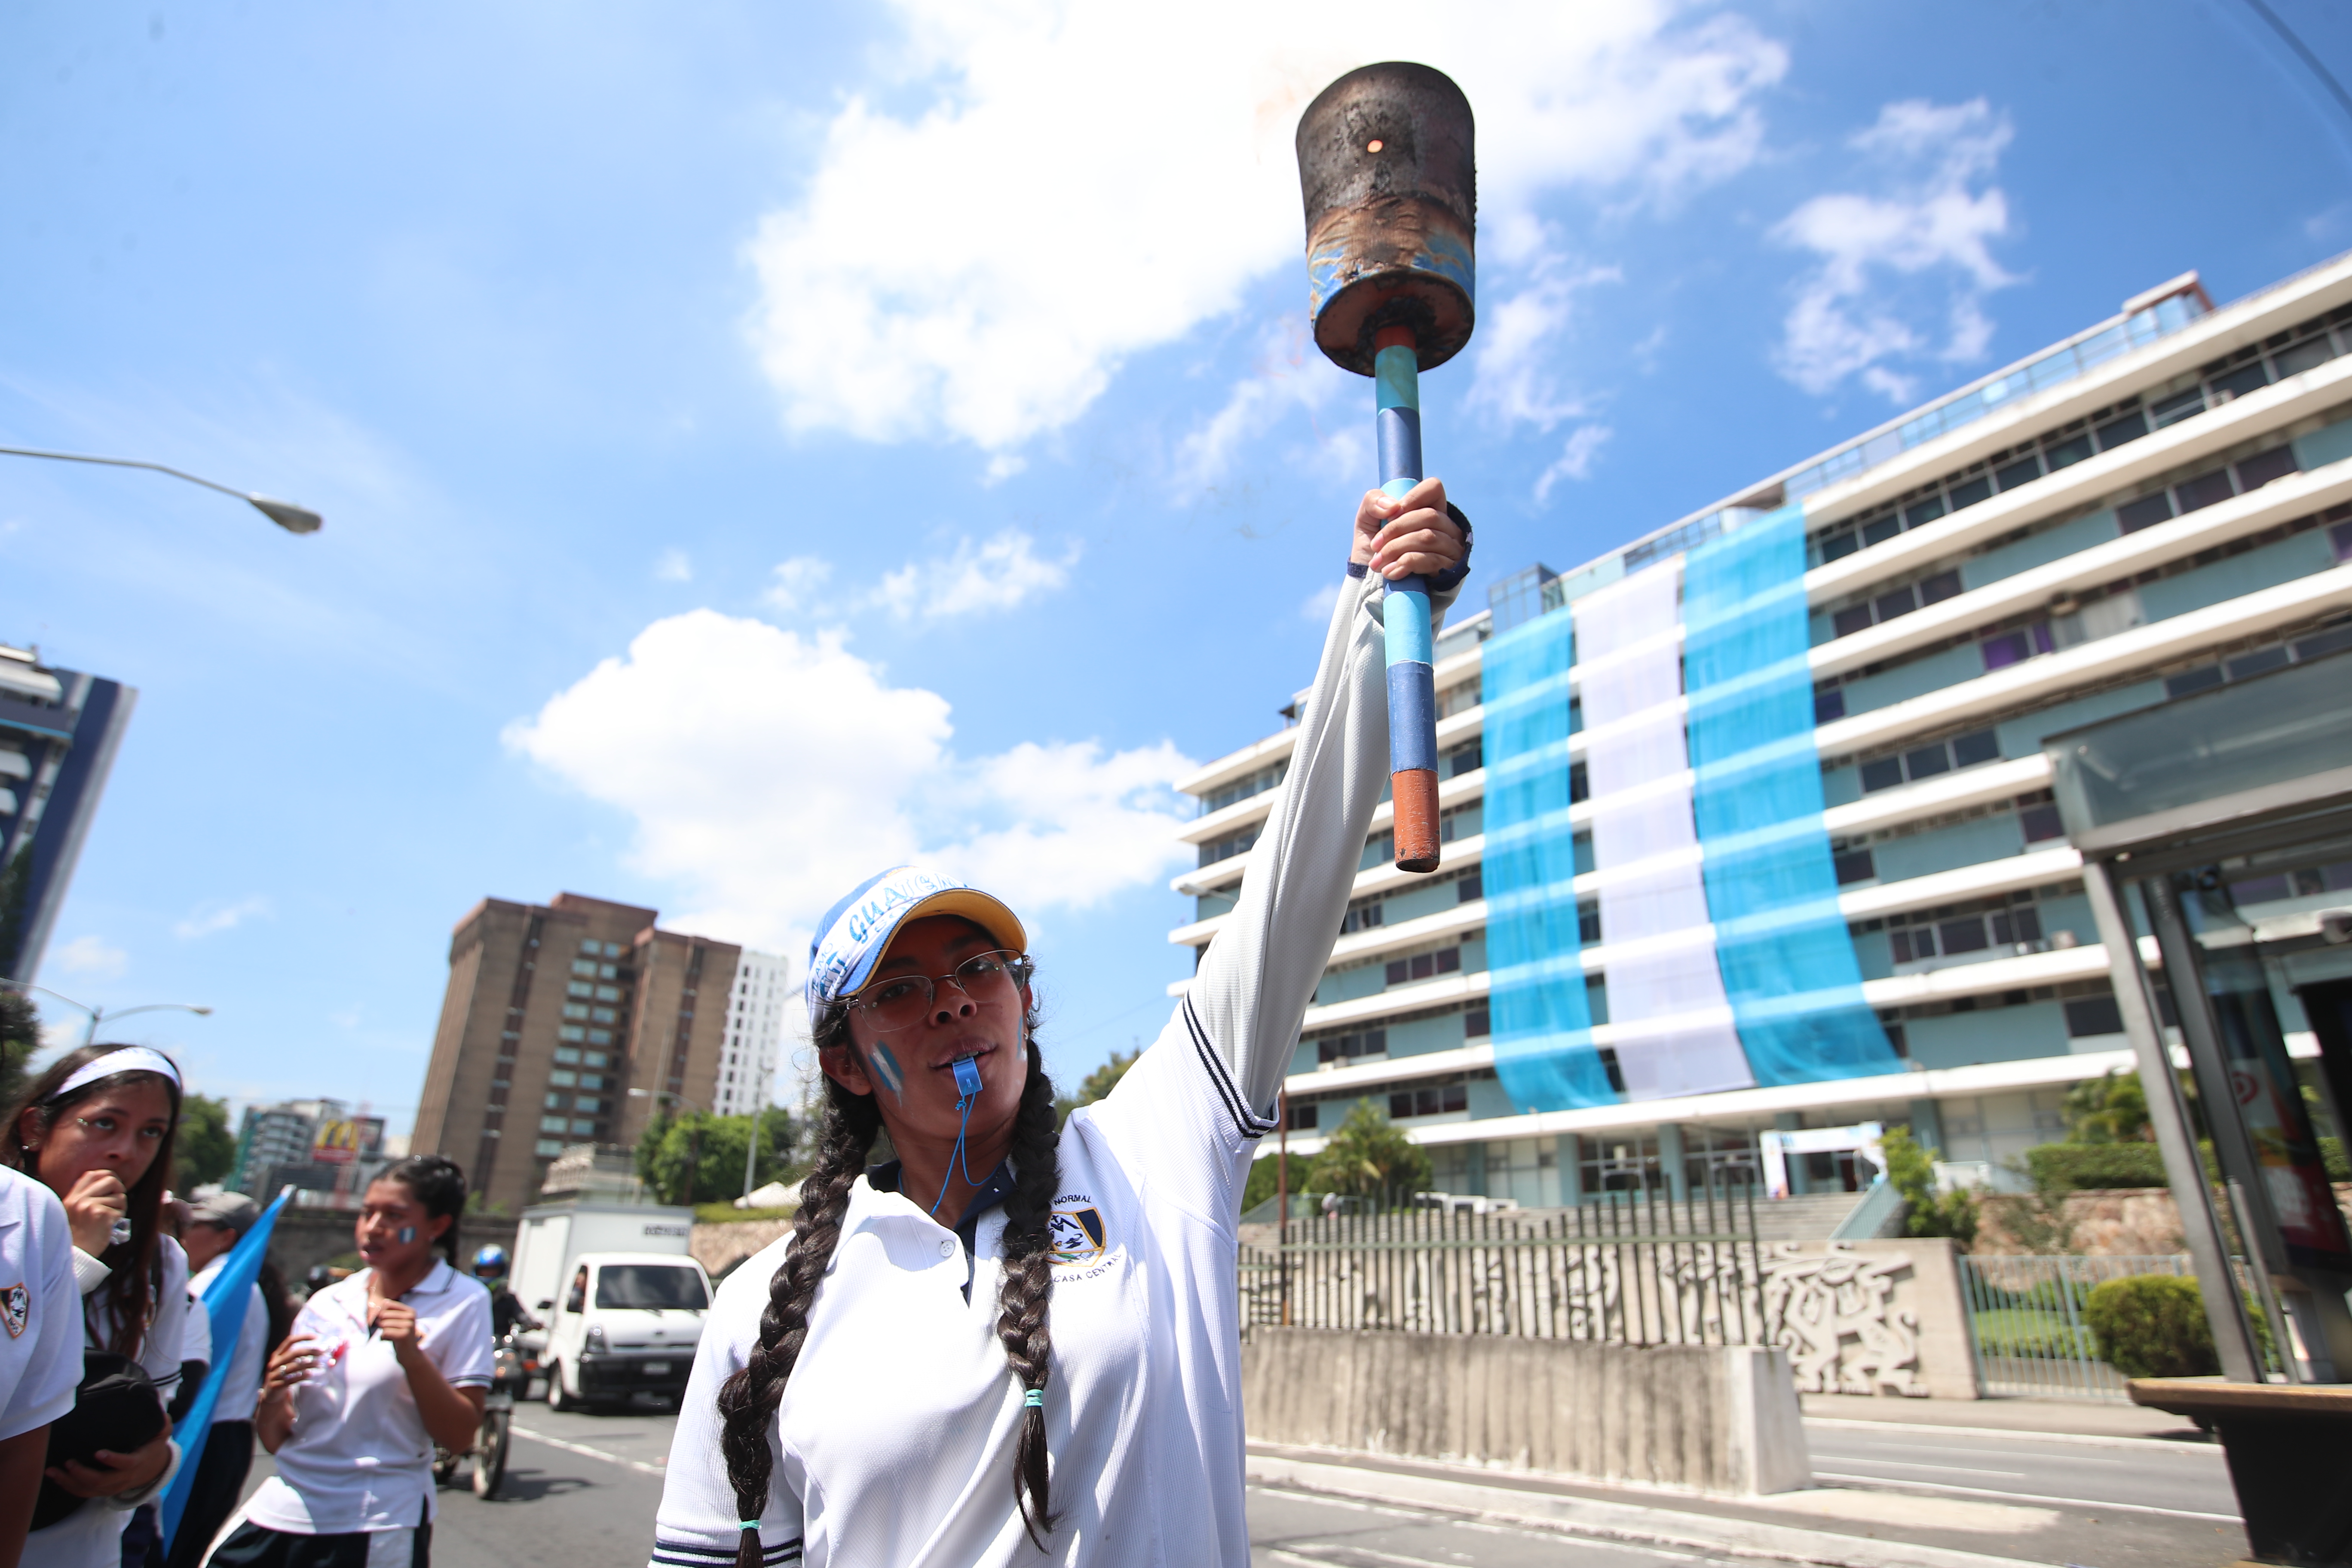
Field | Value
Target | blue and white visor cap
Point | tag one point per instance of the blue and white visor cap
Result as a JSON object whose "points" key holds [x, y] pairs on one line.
{"points": [[854, 933]]}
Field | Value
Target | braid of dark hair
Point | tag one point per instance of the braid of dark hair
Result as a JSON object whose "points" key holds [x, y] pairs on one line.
{"points": [[749, 1398], [1024, 1323]]}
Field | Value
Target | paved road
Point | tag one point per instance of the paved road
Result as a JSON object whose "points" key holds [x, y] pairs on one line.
{"points": [[581, 1491], [2163, 1480]]}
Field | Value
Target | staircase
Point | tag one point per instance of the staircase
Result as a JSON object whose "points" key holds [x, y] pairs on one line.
{"points": [[1809, 1217]]}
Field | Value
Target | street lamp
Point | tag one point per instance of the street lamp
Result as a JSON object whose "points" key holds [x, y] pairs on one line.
{"points": [[693, 1138], [284, 514], [98, 1015]]}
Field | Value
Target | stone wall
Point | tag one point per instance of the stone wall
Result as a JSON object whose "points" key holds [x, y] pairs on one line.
{"points": [[2122, 1222], [718, 1247], [1717, 1419], [304, 1238]]}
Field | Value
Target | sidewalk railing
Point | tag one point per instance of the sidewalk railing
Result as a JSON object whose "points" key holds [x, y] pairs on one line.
{"points": [[1651, 1270], [2025, 1323]]}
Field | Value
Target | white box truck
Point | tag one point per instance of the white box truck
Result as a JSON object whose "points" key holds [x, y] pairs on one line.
{"points": [[619, 1299]]}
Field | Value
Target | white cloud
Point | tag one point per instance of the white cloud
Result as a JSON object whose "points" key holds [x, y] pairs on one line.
{"points": [[92, 958], [1575, 461], [209, 919], [798, 582], [998, 573], [673, 567], [1933, 228], [1517, 349], [768, 771], [1080, 182], [1291, 373]]}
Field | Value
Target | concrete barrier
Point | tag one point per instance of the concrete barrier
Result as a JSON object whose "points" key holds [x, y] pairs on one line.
{"points": [[1704, 1418]]}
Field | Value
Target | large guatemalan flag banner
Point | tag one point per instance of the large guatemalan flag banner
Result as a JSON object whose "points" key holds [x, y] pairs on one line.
{"points": [[1728, 961]]}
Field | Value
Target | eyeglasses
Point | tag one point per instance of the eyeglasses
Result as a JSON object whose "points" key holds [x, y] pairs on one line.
{"points": [[905, 1000]]}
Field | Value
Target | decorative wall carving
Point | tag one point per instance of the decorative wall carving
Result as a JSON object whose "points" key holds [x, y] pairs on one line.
{"points": [[1834, 1313]]}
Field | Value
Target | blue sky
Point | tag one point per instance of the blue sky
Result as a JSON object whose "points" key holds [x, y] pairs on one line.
{"points": [[759, 443]]}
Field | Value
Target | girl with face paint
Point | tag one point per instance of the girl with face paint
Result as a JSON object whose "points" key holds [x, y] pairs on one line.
{"points": [[378, 1369]]}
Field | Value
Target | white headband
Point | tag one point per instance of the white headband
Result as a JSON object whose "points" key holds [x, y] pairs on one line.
{"points": [[130, 1059]]}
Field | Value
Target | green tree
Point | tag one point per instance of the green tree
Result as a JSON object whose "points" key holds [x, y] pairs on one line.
{"points": [[2110, 1108], [1096, 1085], [1264, 1179], [1927, 1211], [713, 1148], [1368, 1156], [20, 1036], [204, 1149]]}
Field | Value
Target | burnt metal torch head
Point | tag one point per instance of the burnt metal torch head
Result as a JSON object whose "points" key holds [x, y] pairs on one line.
{"points": [[1385, 161]]}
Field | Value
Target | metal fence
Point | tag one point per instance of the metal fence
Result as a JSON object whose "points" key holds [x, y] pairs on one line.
{"points": [[2025, 1321], [1648, 1270]]}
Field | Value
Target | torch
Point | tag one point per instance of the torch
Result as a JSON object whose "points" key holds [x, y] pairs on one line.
{"points": [[1385, 164]]}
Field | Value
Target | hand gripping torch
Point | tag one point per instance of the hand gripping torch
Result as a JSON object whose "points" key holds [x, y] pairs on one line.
{"points": [[1385, 165]]}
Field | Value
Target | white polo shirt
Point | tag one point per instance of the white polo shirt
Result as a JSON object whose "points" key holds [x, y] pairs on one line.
{"points": [[243, 1385], [360, 1457], [91, 1536], [40, 1310], [894, 1438]]}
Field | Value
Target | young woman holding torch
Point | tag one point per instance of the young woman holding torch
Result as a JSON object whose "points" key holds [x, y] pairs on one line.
{"points": [[1009, 1344]]}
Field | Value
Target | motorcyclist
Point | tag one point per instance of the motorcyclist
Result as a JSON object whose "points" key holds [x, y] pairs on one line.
{"points": [[507, 1310]]}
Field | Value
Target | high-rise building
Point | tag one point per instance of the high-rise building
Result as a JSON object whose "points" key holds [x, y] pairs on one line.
{"points": [[755, 1035], [59, 729], [1747, 823], [554, 1015]]}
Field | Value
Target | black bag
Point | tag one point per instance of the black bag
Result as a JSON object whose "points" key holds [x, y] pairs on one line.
{"points": [[115, 1408]]}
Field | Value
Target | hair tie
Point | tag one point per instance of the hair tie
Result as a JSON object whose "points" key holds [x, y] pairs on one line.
{"points": [[1036, 1400], [747, 1524]]}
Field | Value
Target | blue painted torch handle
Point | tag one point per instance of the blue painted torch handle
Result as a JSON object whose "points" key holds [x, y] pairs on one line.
{"points": [[1413, 694]]}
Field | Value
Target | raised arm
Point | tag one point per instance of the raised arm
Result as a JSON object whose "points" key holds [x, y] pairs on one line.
{"points": [[1260, 973]]}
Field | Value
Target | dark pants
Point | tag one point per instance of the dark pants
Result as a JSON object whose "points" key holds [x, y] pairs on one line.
{"points": [[214, 1496]]}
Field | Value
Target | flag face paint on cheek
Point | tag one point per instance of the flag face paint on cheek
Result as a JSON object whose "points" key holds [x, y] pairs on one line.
{"points": [[885, 1068], [407, 1234]]}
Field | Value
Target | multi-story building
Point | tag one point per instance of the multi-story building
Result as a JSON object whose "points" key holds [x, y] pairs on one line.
{"points": [[1748, 822], [59, 729], [566, 1023], [754, 1037], [318, 1146], [273, 1135]]}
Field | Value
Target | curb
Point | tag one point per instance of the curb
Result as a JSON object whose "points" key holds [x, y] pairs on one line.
{"points": [[1615, 1522]]}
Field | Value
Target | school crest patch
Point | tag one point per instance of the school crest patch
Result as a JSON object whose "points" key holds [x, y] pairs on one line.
{"points": [[1078, 1235], [15, 1308]]}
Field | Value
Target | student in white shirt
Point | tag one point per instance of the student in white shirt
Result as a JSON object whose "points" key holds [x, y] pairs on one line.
{"points": [[97, 1129], [215, 1227], [1010, 1345], [40, 1350], [378, 1368]]}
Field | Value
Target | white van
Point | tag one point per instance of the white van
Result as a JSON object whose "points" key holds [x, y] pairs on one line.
{"points": [[625, 1323]]}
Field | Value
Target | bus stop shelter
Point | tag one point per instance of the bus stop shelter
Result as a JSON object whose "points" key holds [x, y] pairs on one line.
{"points": [[2216, 836]]}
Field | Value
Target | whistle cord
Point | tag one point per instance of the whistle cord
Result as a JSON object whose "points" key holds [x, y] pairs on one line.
{"points": [[968, 1081]]}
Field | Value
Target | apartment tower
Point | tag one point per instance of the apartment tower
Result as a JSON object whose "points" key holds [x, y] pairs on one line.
{"points": [[1749, 828], [554, 1015]]}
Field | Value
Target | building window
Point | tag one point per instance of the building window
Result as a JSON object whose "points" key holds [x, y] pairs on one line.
{"points": [[1470, 887], [600, 1036], [562, 1078], [584, 1128], [591, 1080], [585, 968], [552, 1124], [1258, 782], [567, 1055], [1302, 1115], [1854, 866], [1895, 604], [1466, 759], [591, 947], [2202, 490], [571, 1032], [579, 988], [1474, 1022], [1429, 1100], [1926, 761], [1362, 915], [1345, 1048], [1422, 965], [2094, 1015], [604, 1015], [2240, 666], [608, 993], [2018, 925], [587, 1103], [547, 1148], [578, 1010], [1226, 848], [552, 1102]]}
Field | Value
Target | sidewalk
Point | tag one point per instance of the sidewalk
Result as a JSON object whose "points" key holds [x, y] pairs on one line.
{"points": [[2056, 1416]]}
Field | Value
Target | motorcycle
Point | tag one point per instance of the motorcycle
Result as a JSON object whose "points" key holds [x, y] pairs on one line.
{"points": [[511, 1374]]}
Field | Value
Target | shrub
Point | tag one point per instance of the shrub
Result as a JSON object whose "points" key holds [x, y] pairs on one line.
{"points": [[2060, 1168], [2152, 1325], [1927, 1211]]}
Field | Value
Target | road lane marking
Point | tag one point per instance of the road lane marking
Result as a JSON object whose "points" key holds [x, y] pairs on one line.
{"points": [[2073, 1502], [1937, 1470], [637, 1464], [1982, 1451], [2007, 1434]]}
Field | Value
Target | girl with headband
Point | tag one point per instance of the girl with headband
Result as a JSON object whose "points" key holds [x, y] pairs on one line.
{"points": [[1011, 1345], [96, 1128], [378, 1369]]}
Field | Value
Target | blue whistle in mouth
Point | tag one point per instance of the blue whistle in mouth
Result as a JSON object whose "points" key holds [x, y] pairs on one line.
{"points": [[967, 1076]]}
